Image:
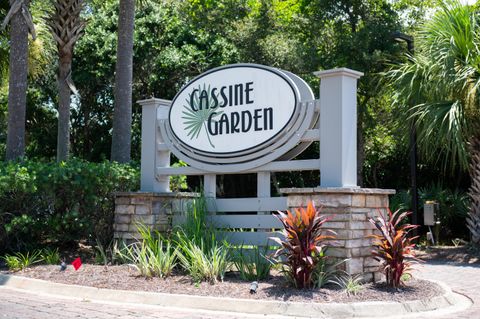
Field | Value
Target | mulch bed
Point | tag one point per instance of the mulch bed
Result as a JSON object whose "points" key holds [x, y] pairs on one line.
{"points": [[125, 277]]}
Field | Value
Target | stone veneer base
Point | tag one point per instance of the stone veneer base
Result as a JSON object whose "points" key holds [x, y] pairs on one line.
{"points": [[349, 209]]}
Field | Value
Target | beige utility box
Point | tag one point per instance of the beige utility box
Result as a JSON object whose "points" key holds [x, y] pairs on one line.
{"points": [[430, 209]]}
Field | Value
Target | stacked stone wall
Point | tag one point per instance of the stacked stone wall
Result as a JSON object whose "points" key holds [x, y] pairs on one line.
{"points": [[349, 210], [154, 210]]}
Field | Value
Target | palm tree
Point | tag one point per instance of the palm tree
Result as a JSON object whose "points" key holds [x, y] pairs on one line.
{"points": [[66, 26], [122, 117], [442, 81], [20, 25]]}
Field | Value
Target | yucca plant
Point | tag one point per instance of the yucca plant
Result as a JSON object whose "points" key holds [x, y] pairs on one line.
{"points": [[303, 243], [393, 245]]}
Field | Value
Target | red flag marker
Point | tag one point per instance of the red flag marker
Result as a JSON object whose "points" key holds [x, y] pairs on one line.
{"points": [[77, 263]]}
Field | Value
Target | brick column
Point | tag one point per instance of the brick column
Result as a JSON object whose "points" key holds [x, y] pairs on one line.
{"points": [[155, 210]]}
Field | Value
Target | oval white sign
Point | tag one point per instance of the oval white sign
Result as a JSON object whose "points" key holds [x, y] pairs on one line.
{"points": [[234, 108]]}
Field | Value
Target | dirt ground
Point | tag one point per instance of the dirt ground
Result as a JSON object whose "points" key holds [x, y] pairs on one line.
{"points": [[275, 288]]}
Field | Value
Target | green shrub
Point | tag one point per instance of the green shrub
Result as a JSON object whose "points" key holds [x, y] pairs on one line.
{"points": [[152, 255], [158, 261], [12, 262], [50, 256], [325, 272], [59, 202], [252, 263], [453, 208], [201, 263], [21, 261], [199, 252], [351, 285]]}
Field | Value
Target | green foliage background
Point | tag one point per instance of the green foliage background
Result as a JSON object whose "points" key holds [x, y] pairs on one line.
{"points": [[174, 42], [59, 203]]}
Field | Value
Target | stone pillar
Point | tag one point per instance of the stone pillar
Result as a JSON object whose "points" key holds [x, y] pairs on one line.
{"points": [[155, 210], [153, 111], [338, 127], [349, 209]]}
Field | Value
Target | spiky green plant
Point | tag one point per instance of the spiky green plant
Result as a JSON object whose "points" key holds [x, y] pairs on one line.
{"points": [[152, 255], [252, 264], [203, 264], [350, 284], [12, 262], [326, 272], [50, 256], [20, 261]]}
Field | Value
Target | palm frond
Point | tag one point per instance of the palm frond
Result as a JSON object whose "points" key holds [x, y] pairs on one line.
{"points": [[196, 116], [439, 86]]}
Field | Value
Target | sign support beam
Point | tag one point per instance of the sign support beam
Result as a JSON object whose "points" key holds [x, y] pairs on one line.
{"points": [[338, 127]]}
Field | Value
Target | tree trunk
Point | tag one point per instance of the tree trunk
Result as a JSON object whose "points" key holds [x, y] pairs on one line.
{"points": [[473, 219], [122, 117], [63, 137], [17, 91]]}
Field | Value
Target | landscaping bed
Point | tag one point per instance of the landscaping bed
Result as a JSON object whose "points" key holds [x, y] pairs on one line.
{"points": [[125, 277]]}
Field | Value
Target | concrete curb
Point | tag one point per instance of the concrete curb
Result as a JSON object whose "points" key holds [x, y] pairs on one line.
{"points": [[373, 309]]}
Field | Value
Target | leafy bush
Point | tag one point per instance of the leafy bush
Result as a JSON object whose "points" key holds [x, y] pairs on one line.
{"points": [[303, 243], [453, 208], [252, 264], [21, 261], [178, 182], [59, 202], [393, 246], [12, 262]]}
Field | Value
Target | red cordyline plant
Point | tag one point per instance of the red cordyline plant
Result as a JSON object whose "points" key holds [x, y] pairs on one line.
{"points": [[393, 245], [303, 243]]}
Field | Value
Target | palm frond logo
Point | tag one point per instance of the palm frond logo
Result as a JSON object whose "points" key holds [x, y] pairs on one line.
{"points": [[196, 121]]}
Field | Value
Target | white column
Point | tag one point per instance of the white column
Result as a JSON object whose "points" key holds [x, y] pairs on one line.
{"points": [[153, 111], [338, 127]]}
